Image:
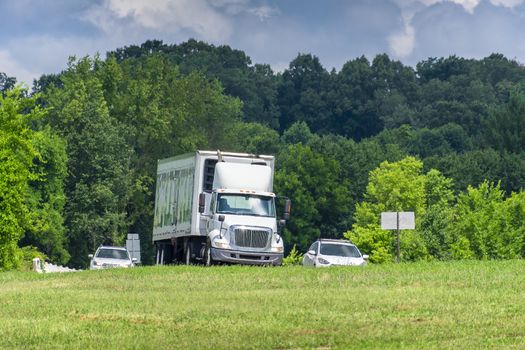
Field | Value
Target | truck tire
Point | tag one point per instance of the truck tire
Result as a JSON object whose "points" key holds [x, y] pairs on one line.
{"points": [[187, 253], [208, 259]]}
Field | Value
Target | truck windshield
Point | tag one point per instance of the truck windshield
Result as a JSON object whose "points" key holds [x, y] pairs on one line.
{"points": [[240, 204]]}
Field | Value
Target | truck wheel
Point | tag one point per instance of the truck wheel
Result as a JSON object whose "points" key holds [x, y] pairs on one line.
{"points": [[208, 259], [187, 254]]}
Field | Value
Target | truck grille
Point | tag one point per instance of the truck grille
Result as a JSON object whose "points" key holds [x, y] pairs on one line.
{"points": [[251, 238]]}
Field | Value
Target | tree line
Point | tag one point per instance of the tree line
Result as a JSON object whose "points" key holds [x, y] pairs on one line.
{"points": [[445, 139]]}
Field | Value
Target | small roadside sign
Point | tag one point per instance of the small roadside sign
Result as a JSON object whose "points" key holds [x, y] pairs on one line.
{"points": [[133, 246], [395, 220], [389, 221]]}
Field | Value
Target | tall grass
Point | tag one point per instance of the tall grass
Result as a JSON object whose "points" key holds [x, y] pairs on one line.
{"points": [[456, 305]]}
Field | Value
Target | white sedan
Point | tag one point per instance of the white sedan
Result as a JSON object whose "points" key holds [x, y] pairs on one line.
{"points": [[330, 252], [108, 257]]}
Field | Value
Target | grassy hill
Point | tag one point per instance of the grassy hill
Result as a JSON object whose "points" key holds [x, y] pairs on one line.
{"points": [[456, 305]]}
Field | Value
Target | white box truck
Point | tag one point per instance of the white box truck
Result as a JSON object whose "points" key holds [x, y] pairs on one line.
{"points": [[213, 206]]}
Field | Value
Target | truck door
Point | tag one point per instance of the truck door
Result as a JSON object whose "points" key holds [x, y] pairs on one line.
{"points": [[206, 218]]}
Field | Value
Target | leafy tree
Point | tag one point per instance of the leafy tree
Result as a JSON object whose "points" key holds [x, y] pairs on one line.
{"points": [[505, 129], [398, 186], [98, 160], [434, 224], [46, 198], [6, 83], [474, 167], [496, 70], [443, 68], [253, 138], [299, 132], [17, 153], [303, 95], [488, 226], [353, 96], [255, 85], [319, 194]]}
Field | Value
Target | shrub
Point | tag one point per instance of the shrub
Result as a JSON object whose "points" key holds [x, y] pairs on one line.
{"points": [[294, 258]]}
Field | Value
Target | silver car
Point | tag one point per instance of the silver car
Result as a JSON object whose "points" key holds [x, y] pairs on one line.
{"points": [[330, 252], [109, 257]]}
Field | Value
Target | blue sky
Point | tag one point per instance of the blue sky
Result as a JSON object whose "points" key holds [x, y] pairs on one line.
{"points": [[38, 36]]}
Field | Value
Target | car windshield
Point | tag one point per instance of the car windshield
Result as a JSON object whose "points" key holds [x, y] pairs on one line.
{"points": [[240, 204], [345, 250], [112, 254]]}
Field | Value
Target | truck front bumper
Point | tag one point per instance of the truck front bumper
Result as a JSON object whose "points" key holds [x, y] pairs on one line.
{"points": [[247, 258]]}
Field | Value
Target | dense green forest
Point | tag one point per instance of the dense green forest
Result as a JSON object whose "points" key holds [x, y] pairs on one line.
{"points": [[444, 138]]}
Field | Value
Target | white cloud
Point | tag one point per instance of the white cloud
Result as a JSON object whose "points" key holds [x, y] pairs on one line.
{"points": [[164, 16], [12, 68], [263, 12], [402, 44], [468, 5], [507, 3], [46, 54]]}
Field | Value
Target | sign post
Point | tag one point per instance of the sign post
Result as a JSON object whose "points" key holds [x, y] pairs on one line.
{"points": [[133, 246], [398, 221]]}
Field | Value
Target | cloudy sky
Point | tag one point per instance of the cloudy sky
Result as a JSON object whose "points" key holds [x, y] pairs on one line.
{"points": [[38, 36]]}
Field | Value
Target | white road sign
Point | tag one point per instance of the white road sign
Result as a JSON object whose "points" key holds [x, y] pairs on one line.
{"points": [[406, 220]]}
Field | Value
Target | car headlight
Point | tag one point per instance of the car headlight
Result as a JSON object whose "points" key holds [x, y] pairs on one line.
{"points": [[322, 261]]}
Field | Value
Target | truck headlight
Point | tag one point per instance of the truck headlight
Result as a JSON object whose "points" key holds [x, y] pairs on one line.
{"points": [[221, 245], [279, 249]]}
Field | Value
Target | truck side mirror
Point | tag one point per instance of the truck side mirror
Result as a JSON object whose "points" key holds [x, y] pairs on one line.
{"points": [[202, 202], [221, 220], [282, 223], [287, 209]]}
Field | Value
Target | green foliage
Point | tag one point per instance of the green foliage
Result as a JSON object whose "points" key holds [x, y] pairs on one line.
{"points": [[91, 176], [472, 168], [47, 197], [252, 138], [505, 129], [98, 160], [17, 153], [490, 226], [401, 186], [6, 83], [294, 257], [28, 253], [434, 224], [319, 196], [256, 85]]}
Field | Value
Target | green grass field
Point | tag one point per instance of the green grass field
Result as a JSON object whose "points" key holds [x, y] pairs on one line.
{"points": [[458, 305]]}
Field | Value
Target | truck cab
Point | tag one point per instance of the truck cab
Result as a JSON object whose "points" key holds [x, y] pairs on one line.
{"points": [[242, 228], [241, 221]]}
